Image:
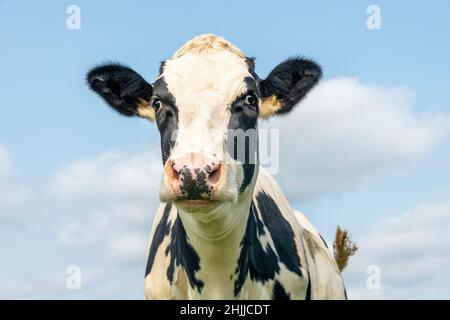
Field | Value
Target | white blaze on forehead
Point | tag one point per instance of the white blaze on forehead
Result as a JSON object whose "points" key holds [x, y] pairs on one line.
{"points": [[205, 76]]}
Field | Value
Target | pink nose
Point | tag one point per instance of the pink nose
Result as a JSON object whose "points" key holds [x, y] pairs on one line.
{"points": [[194, 176]]}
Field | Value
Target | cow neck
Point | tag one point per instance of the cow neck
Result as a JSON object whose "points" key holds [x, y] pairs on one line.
{"points": [[226, 218], [222, 234]]}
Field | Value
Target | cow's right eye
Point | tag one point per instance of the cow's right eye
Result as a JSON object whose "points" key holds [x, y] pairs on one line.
{"points": [[156, 104]]}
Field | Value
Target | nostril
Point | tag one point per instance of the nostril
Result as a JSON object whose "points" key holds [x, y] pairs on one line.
{"points": [[214, 176], [173, 174]]}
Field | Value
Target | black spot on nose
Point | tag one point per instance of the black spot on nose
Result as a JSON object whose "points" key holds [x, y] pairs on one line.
{"points": [[194, 188]]}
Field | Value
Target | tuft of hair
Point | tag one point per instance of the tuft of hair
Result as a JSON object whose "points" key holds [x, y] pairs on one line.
{"points": [[206, 42], [343, 248]]}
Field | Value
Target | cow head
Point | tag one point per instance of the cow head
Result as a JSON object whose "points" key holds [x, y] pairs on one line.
{"points": [[206, 102]]}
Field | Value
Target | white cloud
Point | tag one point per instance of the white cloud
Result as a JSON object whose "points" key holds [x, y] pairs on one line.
{"points": [[86, 232], [94, 284], [12, 193], [102, 210], [345, 132], [34, 288], [112, 177], [129, 247], [109, 202], [412, 252]]}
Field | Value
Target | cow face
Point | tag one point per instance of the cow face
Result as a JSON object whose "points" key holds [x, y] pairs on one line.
{"points": [[206, 102]]}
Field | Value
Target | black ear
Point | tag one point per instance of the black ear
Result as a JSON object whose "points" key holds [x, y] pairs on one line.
{"points": [[122, 88], [286, 85]]}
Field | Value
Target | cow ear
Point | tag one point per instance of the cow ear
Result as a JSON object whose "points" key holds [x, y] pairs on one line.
{"points": [[286, 85], [123, 89]]}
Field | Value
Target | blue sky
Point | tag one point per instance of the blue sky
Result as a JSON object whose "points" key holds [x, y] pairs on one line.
{"points": [[52, 128]]}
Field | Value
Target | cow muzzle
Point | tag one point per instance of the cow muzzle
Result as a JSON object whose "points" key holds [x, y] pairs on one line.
{"points": [[194, 178]]}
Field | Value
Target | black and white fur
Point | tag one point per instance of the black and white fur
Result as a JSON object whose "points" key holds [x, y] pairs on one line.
{"points": [[250, 244]]}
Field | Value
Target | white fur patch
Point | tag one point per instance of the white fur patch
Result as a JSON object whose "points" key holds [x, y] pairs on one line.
{"points": [[206, 76]]}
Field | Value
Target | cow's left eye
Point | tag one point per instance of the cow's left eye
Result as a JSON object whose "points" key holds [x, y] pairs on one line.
{"points": [[250, 99]]}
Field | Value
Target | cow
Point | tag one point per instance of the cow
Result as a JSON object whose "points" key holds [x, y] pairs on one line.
{"points": [[223, 230]]}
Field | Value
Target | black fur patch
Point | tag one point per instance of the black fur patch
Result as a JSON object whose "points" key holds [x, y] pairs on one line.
{"points": [[279, 293], [290, 81], [166, 117], [261, 264], [120, 86], [242, 133], [162, 230], [280, 231], [308, 289], [183, 254]]}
